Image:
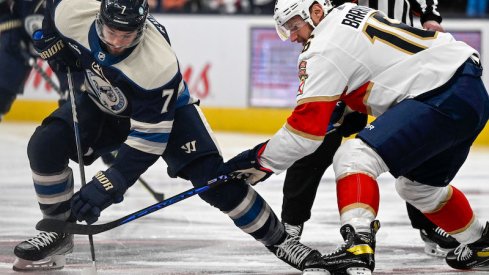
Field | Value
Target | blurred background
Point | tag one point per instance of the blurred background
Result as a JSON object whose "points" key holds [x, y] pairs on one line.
{"points": [[233, 60], [246, 78], [454, 8]]}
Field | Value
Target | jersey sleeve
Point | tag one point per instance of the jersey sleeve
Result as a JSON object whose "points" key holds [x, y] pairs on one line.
{"points": [[321, 85], [151, 124]]}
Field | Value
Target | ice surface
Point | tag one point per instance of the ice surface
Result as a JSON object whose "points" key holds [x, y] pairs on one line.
{"points": [[191, 237]]}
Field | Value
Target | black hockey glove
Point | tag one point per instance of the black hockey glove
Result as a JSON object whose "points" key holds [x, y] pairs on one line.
{"points": [[345, 121], [353, 123], [247, 167], [103, 190], [53, 49]]}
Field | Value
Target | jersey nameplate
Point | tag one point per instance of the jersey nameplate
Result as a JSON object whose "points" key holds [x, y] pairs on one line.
{"points": [[355, 16]]}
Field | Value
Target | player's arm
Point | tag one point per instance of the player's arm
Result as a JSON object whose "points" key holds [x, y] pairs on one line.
{"points": [[151, 123], [304, 131], [50, 44], [428, 13]]}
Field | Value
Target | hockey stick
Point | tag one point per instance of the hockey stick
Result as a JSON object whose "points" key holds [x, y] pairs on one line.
{"points": [[109, 159], [158, 196], [79, 150], [51, 225], [45, 76]]}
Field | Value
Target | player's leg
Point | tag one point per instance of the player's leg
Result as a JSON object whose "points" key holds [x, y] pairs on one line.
{"points": [[445, 205], [356, 168], [6, 101], [49, 150], [427, 141], [301, 183], [303, 177], [192, 153], [398, 141]]}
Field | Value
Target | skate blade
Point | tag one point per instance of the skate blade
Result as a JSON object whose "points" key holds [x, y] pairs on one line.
{"points": [[49, 263], [315, 271], [435, 250], [358, 271]]}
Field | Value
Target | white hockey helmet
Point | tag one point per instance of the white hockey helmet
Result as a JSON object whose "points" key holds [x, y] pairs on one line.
{"points": [[286, 9]]}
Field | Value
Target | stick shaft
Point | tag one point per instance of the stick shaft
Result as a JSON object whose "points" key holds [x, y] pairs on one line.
{"points": [[82, 229], [158, 196], [79, 148]]}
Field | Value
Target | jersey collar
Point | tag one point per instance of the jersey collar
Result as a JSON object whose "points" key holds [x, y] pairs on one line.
{"points": [[103, 57]]}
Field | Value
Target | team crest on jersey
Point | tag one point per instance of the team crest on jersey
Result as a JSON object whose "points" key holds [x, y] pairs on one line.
{"points": [[111, 98], [101, 56], [302, 76]]}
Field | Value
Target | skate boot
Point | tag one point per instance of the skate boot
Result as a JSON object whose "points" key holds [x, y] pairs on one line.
{"points": [[294, 231], [296, 254], [355, 256], [437, 242], [473, 256], [43, 252]]}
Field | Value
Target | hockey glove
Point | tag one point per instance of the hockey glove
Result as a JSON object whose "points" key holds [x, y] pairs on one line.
{"points": [[353, 123], [103, 190], [247, 167], [346, 121], [53, 49]]}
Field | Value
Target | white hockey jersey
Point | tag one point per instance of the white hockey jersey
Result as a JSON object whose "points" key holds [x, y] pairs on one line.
{"points": [[369, 61]]}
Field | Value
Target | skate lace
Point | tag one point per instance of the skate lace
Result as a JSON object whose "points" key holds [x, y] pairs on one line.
{"points": [[43, 239], [463, 252], [291, 250], [339, 248], [293, 230], [441, 232]]}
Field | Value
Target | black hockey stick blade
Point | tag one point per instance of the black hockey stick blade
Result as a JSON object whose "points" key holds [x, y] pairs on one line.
{"points": [[58, 226], [158, 196]]}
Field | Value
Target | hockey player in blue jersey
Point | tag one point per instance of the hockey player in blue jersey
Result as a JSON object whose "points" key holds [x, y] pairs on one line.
{"points": [[18, 20], [136, 101], [14, 42]]}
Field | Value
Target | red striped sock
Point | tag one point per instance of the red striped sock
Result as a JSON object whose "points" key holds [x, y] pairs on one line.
{"points": [[454, 214], [357, 191]]}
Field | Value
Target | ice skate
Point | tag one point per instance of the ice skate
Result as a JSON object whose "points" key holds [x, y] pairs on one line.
{"points": [[296, 254], [473, 256], [437, 242], [43, 252], [355, 256]]}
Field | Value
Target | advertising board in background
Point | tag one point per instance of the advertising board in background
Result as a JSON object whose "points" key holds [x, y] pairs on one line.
{"points": [[273, 66], [239, 61]]}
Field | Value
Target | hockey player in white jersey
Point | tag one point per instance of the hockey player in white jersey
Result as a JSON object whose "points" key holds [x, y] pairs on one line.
{"points": [[136, 101], [303, 177], [425, 90]]}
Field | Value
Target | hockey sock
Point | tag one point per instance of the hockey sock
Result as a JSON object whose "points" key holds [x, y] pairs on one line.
{"points": [[255, 217], [456, 217], [54, 192], [358, 200]]}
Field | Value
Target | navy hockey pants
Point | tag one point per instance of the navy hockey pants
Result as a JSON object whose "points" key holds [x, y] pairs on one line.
{"points": [[427, 139]]}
